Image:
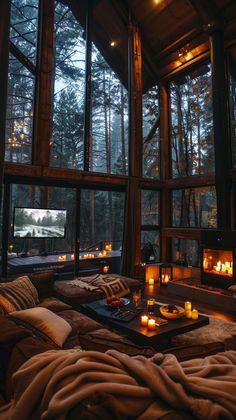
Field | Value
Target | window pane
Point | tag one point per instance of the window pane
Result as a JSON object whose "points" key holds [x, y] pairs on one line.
{"points": [[151, 134], [150, 207], [194, 207], [67, 146], [24, 26], [192, 138], [232, 102], [19, 121], [186, 252], [109, 152], [150, 246], [43, 252], [101, 219]]}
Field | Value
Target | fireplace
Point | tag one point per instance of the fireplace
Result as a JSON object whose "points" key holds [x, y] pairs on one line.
{"points": [[218, 258]]}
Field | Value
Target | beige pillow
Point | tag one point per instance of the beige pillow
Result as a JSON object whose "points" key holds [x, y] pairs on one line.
{"points": [[18, 294], [46, 322]]}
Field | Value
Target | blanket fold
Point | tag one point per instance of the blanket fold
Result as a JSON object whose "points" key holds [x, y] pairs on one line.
{"points": [[108, 285], [52, 384]]}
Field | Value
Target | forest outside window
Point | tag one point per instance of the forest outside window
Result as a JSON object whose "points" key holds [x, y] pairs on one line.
{"points": [[21, 80], [151, 134], [150, 234], [109, 149], [194, 207], [185, 252], [67, 145], [192, 139]]}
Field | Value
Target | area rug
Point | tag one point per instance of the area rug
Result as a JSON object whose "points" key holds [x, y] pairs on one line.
{"points": [[217, 331]]}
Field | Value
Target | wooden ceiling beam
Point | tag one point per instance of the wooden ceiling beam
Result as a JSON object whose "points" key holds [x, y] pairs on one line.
{"points": [[123, 11], [208, 13]]}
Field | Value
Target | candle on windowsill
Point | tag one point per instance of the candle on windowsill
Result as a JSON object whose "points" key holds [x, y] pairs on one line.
{"points": [[188, 314], [195, 314], [187, 305], [151, 282], [151, 324], [144, 320]]}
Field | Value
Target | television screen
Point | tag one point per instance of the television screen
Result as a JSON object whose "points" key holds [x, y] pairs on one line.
{"points": [[39, 223]]}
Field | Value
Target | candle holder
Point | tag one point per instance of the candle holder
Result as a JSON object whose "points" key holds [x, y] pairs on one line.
{"points": [[144, 320], [165, 273], [151, 305]]}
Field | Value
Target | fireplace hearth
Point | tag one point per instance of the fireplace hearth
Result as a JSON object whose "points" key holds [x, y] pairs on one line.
{"points": [[218, 258]]}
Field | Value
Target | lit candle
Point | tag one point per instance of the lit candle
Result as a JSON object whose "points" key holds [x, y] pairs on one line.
{"points": [[227, 264], [194, 314], [72, 257], [188, 314], [166, 279], [105, 268], [187, 305], [151, 282], [151, 324], [144, 320]]}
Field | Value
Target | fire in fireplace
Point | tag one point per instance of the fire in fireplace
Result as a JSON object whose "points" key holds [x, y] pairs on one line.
{"points": [[218, 258]]}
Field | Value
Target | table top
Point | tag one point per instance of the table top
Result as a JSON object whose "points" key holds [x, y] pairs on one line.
{"points": [[139, 334]]}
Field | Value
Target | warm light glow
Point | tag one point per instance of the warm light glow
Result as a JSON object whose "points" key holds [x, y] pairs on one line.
{"points": [[72, 257], [188, 314], [144, 320], [113, 43], [105, 268], [187, 305], [151, 324], [151, 282], [195, 314], [61, 258]]}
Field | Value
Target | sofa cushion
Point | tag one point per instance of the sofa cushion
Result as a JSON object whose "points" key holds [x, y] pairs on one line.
{"points": [[18, 294], [44, 282], [54, 304], [46, 322]]}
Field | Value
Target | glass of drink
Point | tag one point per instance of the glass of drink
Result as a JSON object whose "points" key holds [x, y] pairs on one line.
{"points": [[151, 305], [137, 297]]}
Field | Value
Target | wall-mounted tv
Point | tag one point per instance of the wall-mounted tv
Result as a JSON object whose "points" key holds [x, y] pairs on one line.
{"points": [[39, 223]]}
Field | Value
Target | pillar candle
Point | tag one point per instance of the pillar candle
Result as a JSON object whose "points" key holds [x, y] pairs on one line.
{"points": [[144, 320], [151, 324], [194, 314], [187, 306]]}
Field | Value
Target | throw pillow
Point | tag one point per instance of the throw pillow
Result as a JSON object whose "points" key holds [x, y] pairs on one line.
{"points": [[18, 294], [46, 322], [44, 282]]}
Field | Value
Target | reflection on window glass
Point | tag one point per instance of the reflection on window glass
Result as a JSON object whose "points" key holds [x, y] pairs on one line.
{"points": [[150, 207], [24, 27], [109, 151], [192, 138], [151, 134], [150, 246], [67, 146], [186, 252], [194, 207], [101, 219], [45, 251], [19, 121]]}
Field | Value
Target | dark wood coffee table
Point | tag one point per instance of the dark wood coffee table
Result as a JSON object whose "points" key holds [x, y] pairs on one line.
{"points": [[159, 339]]}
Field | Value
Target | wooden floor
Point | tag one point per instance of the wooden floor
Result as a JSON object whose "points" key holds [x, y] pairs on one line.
{"points": [[161, 294]]}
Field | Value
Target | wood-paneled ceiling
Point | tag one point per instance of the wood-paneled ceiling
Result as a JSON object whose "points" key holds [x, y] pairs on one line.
{"points": [[168, 28]]}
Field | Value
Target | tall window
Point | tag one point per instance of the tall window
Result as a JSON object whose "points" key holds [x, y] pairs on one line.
{"points": [[109, 148], [21, 80], [67, 145], [232, 102], [101, 219], [192, 139], [194, 207], [150, 220], [151, 134]]}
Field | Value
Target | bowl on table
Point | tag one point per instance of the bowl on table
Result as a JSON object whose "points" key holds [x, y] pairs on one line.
{"points": [[172, 311]]}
